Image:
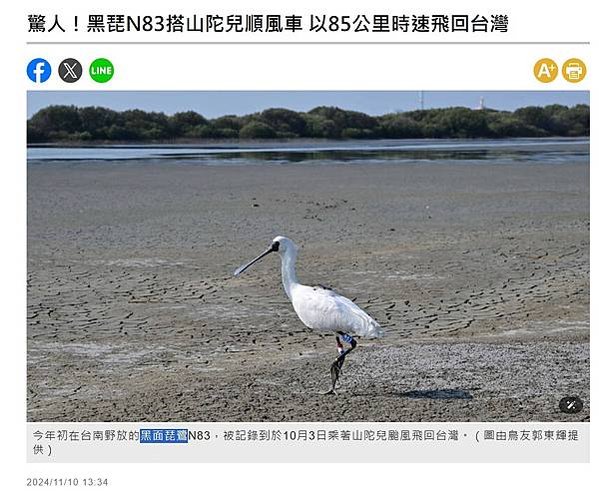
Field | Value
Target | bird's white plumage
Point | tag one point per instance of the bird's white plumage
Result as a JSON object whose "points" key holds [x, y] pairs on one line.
{"points": [[318, 308], [327, 311]]}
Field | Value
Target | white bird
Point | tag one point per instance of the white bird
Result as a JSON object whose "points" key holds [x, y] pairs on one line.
{"points": [[320, 308]]}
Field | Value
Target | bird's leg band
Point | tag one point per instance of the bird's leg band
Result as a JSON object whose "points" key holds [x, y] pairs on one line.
{"points": [[348, 339], [340, 349]]}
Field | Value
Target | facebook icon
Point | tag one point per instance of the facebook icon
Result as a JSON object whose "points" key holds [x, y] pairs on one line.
{"points": [[39, 70]]}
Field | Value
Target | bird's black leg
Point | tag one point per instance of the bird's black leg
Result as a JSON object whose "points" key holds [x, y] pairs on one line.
{"points": [[338, 363]]}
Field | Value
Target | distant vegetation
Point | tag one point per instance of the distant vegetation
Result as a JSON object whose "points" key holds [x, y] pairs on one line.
{"points": [[94, 124]]}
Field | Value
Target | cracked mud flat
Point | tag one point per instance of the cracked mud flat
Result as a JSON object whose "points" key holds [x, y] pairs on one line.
{"points": [[479, 274]]}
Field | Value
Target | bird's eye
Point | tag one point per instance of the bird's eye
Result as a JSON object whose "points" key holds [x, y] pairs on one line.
{"points": [[275, 246]]}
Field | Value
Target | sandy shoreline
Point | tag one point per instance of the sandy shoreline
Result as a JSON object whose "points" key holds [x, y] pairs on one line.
{"points": [[478, 272]]}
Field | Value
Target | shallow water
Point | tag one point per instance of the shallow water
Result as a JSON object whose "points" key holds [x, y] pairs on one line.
{"points": [[527, 150]]}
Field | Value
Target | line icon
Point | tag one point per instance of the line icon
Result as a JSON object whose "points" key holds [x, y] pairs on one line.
{"points": [[101, 70]]}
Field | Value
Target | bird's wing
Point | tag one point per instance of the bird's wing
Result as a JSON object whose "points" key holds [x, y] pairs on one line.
{"points": [[328, 311]]}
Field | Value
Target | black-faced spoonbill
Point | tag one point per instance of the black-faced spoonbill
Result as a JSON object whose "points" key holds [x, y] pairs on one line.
{"points": [[320, 308]]}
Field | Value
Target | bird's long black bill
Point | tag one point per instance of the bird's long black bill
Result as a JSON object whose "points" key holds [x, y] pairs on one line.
{"points": [[241, 269]]}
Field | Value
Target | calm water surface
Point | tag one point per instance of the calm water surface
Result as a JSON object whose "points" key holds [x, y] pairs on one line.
{"points": [[531, 150]]}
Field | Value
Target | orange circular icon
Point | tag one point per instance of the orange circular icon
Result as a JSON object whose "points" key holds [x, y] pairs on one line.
{"points": [[574, 70], [545, 70]]}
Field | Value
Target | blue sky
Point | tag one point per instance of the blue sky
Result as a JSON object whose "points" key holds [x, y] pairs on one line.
{"points": [[212, 104]]}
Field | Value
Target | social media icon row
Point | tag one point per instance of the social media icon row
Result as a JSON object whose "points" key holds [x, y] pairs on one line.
{"points": [[70, 70]]}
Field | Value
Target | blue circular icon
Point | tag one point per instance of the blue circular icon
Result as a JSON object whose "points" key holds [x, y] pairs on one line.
{"points": [[39, 70]]}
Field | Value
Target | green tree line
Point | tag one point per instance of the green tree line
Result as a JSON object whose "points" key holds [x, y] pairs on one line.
{"points": [[86, 124]]}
